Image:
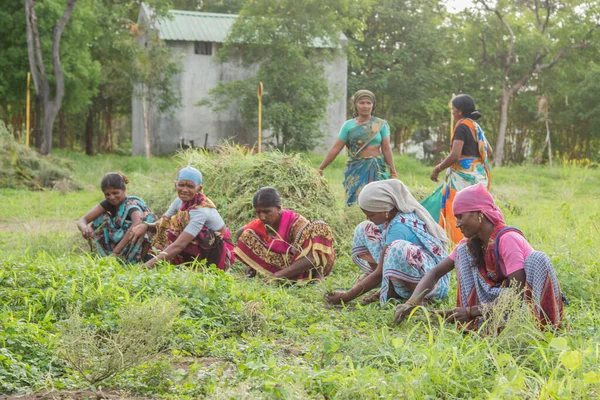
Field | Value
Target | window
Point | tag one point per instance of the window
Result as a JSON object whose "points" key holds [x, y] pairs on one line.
{"points": [[203, 48]]}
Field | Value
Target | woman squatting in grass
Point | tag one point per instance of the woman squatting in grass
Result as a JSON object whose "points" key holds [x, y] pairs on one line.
{"points": [[396, 247], [114, 218], [491, 257], [191, 229], [283, 244]]}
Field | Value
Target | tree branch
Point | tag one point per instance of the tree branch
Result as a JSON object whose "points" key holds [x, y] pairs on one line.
{"points": [[511, 45], [58, 31], [34, 51]]}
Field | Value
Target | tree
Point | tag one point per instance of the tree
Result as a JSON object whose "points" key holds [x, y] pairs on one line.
{"points": [[289, 41], [38, 69], [539, 34]]}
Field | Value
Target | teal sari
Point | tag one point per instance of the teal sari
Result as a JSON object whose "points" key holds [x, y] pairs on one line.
{"points": [[361, 171]]}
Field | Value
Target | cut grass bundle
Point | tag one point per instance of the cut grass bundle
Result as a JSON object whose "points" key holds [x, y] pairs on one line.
{"points": [[23, 168], [232, 175]]}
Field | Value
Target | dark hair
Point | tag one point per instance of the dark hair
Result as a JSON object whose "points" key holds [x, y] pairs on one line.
{"points": [[466, 105], [114, 180], [266, 197]]}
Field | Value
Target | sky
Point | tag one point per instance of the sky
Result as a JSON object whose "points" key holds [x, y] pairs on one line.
{"points": [[458, 5]]}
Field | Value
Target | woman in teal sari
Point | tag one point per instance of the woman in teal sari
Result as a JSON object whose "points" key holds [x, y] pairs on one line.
{"points": [[369, 151]]}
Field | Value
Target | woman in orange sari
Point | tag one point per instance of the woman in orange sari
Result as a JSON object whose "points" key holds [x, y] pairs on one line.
{"points": [[467, 162]]}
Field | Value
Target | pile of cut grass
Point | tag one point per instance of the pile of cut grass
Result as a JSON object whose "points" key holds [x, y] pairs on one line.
{"points": [[232, 175], [23, 168]]}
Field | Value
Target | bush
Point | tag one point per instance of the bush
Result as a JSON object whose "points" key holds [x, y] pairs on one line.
{"points": [[142, 334], [23, 168]]}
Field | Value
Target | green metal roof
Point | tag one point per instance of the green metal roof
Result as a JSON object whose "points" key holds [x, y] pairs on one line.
{"points": [[195, 26]]}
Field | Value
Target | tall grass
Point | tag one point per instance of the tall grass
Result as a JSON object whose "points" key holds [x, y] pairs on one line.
{"points": [[239, 338]]}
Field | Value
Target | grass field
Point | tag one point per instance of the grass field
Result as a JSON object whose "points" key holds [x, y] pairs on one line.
{"points": [[233, 337]]}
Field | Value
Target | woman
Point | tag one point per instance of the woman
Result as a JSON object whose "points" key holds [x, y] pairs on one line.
{"points": [[113, 219], [491, 258], [467, 162], [192, 228], [396, 247], [283, 244], [368, 141]]}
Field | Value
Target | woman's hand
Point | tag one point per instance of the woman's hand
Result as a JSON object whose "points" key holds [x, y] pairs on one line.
{"points": [[403, 311], [334, 298], [320, 171], [458, 314], [150, 263], [138, 232], [394, 175], [434, 174], [87, 232]]}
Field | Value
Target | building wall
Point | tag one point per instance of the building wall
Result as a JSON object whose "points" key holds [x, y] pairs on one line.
{"points": [[191, 122]]}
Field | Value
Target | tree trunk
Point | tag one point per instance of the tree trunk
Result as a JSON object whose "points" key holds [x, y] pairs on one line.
{"points": [[108, 144], [38, 68], [62, 131], [499, 150], [549, 143], [37, 123], [397, 139], [89, 133], [146, 115]]}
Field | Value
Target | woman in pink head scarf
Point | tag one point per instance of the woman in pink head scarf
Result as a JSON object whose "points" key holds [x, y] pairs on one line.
{"points": [[491, 256]]}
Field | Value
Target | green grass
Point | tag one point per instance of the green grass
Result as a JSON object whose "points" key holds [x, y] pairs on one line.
{"points": [[238, 338]]}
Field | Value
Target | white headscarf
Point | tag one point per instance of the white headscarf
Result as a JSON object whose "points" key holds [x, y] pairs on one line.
{"points": [[382, 196]]}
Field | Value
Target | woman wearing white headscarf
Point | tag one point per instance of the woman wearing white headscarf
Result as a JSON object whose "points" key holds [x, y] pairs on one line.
{"points": [[396, 247]]}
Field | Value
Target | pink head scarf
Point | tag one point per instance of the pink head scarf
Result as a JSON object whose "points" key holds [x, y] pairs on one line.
{"points": [[477, 198]]}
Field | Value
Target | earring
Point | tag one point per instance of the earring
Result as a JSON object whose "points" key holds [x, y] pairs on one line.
{"points": [[386, 215], [480, 219]]}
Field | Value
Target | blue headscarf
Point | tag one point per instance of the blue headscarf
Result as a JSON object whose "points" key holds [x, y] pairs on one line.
{"points": [[190, 174]]}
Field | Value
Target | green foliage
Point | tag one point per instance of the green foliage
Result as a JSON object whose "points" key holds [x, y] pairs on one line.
{"points": [[239, 338], [289, 42], [141, 335], [22, 167]]}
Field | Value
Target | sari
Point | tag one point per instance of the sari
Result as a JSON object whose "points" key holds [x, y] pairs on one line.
{"points": [[361, 171], [296, 238], [467, 171], [484, 283], [109, 230], [215, 247], [403, 261]]}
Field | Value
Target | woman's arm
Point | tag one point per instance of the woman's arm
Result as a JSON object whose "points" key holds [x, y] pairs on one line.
{"points": [[91, 215], [386, 149], [372, 281], [173, 249], [425, 286], [452, 158], [332, 154], [298, 267], [136, 219]]}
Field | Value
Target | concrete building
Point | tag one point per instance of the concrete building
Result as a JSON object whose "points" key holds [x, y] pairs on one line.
{"points": [[195, 38]]}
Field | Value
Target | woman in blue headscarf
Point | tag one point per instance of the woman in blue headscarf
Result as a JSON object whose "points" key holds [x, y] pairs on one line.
{"points": [[192, 228]]}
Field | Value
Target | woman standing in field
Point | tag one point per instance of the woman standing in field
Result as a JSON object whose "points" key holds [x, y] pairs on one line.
{"points": [[492, 257], [398, 244], [283, 244], [191, 229], [368, 141], [113, 220], [467, 162]]}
